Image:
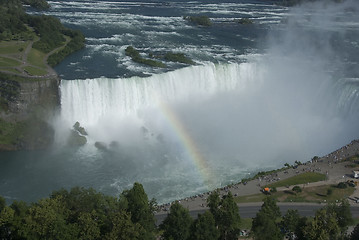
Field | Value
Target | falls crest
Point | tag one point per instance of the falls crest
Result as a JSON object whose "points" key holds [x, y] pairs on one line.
{"points": [[88, 100]]}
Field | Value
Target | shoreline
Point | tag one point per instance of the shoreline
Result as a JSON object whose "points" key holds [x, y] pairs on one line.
{"points": [[332, 165]]}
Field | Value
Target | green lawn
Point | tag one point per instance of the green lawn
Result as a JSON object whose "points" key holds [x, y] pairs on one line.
{"points": [[35, 71], [320, 193], [8, 62], [13, 70], [308, 194], [36, 58], [12, 47], [302, 178]]}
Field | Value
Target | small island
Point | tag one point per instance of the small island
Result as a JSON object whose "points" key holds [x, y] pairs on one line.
{"points": [[199, 20], [244, 21], [178, 57], [136, 57], [169, 57]]}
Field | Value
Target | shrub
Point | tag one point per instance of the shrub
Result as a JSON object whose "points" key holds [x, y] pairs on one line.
{"points": [[244, 21], [136, 57], [342, 185], [329, 191], [178, 57], [199, 20], [76, 43], [296, 189]]}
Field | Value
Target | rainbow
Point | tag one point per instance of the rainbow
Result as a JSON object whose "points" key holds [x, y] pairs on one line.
{"points": [[189, 145]]}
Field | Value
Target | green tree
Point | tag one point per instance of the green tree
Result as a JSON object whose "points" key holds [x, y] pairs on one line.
{"points": [[88, 226], [49, 29], [229, 218], [47, 220], [123, 228], [6, 220], [343, 215], [77, 214], [270, 207], [323, 226], [213, 202], [226, 215], [264, 226], [199, 20], [21, 210], [204, 227], [299, 231], [2, 203], [291, 222], [177, 224], [178, 57], [296, 189], [136, 57], [38, 4], [141, 210], [82, 201]]}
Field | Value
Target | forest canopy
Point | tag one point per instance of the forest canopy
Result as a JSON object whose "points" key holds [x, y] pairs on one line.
{"points": [[82, 213], [47, 32]]}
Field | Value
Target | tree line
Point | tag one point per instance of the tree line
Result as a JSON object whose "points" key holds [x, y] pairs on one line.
{"points": [[15, 24], [80, 214], [86, 214]]}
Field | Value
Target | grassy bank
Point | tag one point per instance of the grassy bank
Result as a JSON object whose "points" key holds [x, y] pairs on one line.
{"points": [[317, 194], [303, 178]]}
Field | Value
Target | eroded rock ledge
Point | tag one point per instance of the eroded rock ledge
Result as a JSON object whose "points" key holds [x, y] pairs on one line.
{"points": [[27, 104]]}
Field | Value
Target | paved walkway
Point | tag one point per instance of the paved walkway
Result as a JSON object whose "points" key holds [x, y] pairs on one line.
{"points": [[331, 165], [24, 62]]}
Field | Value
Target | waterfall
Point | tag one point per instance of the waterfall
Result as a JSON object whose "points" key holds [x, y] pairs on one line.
{"points": [[253, 103], [88, 100], [348, 95]]}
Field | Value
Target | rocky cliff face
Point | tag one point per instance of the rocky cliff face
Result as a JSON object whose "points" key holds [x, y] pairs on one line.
{"points": [[26, 106]]}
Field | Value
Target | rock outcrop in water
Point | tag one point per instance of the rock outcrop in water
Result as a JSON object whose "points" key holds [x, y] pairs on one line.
{"points": [[101, 145], [80, 129], [77, 136], [76, 139]]}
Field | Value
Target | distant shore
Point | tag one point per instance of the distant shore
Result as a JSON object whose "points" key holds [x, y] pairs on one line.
{"points": [[332, 165]]}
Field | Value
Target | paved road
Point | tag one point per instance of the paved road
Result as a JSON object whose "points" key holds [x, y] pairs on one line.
{"points": [[251, 210]]}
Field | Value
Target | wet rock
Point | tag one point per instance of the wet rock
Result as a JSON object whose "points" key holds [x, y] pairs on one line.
{"points": [[75, 139], [115, 145], [101, 145], [80, 129]]}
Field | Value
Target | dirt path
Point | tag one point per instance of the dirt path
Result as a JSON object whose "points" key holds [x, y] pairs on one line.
{"points": [[23, 58]]}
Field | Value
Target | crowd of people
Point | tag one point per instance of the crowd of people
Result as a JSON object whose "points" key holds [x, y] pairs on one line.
{"points": [[323, 165]]}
